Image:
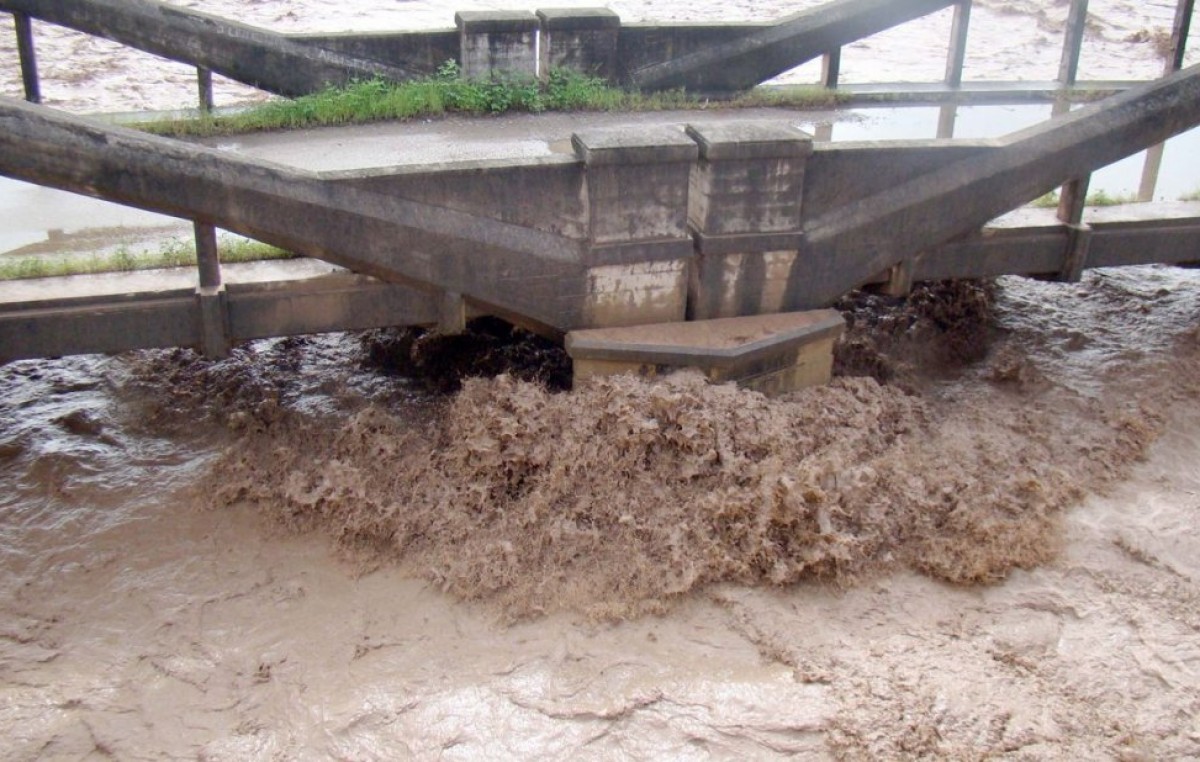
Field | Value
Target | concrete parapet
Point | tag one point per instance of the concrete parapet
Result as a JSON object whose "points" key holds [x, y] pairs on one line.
{"points": [[638, 245], [579, 39], [492, 43], [749, 180], [745, 211], [769, 353]]}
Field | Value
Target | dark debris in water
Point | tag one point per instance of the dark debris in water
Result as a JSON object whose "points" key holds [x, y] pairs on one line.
{"points": [[940, 326], [489, 347]]}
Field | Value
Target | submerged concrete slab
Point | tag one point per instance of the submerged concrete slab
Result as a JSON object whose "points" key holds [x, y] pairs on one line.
{"points": [[769, 353]]}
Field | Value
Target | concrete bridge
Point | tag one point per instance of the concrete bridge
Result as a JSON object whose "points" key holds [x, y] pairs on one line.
{"points": [[716, 245]]}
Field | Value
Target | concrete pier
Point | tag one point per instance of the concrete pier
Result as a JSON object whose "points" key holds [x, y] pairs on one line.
{"points": [[772, 354]]}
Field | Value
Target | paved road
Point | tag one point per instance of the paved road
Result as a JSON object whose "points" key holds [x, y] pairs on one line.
{"points": [[458, 139]]}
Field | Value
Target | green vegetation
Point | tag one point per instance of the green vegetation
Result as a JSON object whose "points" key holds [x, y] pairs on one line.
{"points": [[448, 92], [1193, 196], [175, 254], [1095, 198]]}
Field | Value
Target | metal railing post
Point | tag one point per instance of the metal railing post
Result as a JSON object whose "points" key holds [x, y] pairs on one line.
{"points": [[204, 88], [1079, 235], [208, 258], [831, 68], [1068, 69], [1179, 39], [1073, 195], [25, 49], [956, 55], [212, 305]]}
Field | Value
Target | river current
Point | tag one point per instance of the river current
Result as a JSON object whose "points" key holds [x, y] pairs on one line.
{"points": [[286, 555]]}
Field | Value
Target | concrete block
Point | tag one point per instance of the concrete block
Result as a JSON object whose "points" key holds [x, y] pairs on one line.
{"points": [[745, 210], [638, 244], [637, 183], [771, 353], [579, 39], [495, 43], [731, 285], [749, 178], [636, 293]]}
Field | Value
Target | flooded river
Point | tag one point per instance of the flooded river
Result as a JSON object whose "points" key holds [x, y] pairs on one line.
{"points": [[294, 554]]}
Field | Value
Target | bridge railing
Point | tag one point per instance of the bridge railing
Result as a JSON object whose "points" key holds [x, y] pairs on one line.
{"points": [[649, 56]]}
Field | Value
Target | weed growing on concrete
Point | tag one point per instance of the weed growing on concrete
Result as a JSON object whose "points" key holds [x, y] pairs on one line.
{"points": [[447, 91], [1193, 196], [1099, 197], [172, 254]]}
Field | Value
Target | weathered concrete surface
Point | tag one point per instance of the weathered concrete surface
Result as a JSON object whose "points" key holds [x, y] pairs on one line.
{"points": [[871, 235], [546, 193], [177, 318], [745, 209], [419, 52], [247, 54], [515, 269], [638, 245], [646, 224], [497, 43], [839, 174], [770, 353], [642, 45], [761, 54], [579, 39]]}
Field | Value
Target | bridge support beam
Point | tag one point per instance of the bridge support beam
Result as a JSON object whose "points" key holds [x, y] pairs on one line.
{"points": [[845, 246], [763, 53], [213, 312], [249, 55], [1179, 37], [392, 238]]}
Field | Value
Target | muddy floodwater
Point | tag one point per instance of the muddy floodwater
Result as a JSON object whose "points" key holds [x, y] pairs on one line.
{"points": [[265, 558], [981, 541]]}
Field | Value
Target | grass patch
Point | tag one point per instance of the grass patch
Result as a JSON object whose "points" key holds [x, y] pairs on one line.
{"points": [[448, 92], [174, 254], [1095, 198]]}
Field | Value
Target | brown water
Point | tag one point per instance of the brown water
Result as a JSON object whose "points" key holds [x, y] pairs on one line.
{"points": [[145, 615], [458, 586]]}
